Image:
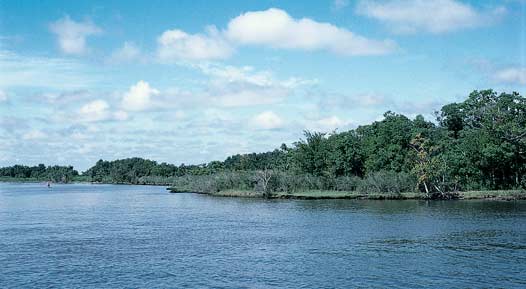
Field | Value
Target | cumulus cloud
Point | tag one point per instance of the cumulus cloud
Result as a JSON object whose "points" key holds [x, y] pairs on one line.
{"points": [[438, 16], [231, 86], [71, 35], [237, 74], [128, 52], [139, 97], [276, 28], [511, 75], [94, 111], [272, 28], [267, 120], [99, 110], [177, 45]]}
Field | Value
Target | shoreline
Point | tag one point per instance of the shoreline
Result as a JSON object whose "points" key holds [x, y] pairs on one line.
{"points": [[490, 195], [494, 195]]}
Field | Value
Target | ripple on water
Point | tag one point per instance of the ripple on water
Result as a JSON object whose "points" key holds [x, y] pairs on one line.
{"points": [[107, 236]]}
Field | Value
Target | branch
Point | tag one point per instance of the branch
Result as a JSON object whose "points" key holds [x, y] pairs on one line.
{"points": [[517, 137]]}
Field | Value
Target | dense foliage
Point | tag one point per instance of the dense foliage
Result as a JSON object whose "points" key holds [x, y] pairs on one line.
{"points": [[476, 144], [40, 172]]}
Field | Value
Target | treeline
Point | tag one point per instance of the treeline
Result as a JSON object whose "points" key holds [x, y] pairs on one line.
{"points": [[477, 144], [138, 170], [62, 174]]}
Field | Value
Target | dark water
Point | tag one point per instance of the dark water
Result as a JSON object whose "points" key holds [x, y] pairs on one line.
{"points": [[94, 236]]}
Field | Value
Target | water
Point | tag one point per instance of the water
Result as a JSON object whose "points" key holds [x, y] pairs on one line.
{"points": [[99, 236]]}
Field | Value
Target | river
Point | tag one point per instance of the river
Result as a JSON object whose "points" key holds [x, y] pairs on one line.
{"points": [[116, 236]]}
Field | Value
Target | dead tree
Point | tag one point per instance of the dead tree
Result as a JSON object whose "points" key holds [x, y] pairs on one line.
{"points": [[263, 178]]}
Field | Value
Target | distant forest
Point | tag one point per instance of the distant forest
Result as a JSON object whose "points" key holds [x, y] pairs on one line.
{"points": [[478, 144]]}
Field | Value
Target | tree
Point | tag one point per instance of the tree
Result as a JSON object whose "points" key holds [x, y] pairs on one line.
{"points": [[311, 155], [424, 164], [385, 144], [263, 178]]}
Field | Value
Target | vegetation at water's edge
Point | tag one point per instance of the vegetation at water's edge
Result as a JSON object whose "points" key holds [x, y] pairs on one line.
{"points": [[58, 174], [317, 195], [475, 145]]}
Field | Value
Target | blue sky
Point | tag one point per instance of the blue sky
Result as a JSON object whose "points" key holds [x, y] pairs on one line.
{"points": [[195, 81]]}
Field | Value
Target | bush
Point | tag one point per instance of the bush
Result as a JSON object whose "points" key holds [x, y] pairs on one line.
{"points": [[214, 183], [347, 183], [387, 182], [286, 182]]}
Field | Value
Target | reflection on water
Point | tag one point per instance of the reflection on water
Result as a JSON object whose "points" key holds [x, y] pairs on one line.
{"points": [[142, 236]]}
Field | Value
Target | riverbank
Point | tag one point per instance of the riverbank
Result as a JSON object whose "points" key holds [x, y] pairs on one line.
{"points": [[508, 195], [76, 179], [20, 180], [320, 195]]}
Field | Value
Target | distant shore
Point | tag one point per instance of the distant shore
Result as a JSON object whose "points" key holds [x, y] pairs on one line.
{"points": [[504, 195]]}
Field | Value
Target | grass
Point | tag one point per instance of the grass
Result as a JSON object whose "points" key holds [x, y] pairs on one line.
{"points": [[311, 194], [498, 194], [315, 194], [318, 194], [237, 193], [20, 180], [324, 194], [224, 193], [75, 179]]}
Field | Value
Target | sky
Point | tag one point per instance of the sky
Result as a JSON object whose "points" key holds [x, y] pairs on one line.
{"points": [[195, 81]]}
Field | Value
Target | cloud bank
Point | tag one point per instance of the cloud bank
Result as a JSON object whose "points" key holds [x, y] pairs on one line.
{"points": [[437, 16], [273, 28]]}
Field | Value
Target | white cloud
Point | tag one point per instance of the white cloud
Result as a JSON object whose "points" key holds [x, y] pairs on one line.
{"points": [[247, 95], [274, 28], [237, 74], [177, 45], [339, 4], [72, 35], [332, 122], [34, 135], [99, 110], [3, 96], [511, 75], [277, 29], [267, 120], [231, 86], [120, 115], [79, 136], [96, 110], [179, 115], [33, 71], [437, 16], [331, 100], [327, 124], [128, 52], [139, 97]]}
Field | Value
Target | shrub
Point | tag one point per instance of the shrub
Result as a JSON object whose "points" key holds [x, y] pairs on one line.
{"points": [[387, 182]]}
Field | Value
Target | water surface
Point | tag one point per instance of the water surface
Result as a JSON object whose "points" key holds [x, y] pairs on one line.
{"points": [[96, 236]]}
